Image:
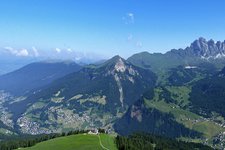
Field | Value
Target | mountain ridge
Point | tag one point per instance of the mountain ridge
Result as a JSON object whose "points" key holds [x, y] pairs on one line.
{"points": [[35, 75], [199, 52]]}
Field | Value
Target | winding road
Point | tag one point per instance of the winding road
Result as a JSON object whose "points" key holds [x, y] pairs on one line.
{"points": [[100, 142]]}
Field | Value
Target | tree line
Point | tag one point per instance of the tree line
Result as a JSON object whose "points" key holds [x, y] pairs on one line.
{"points": [[139, 141], [152, 142], [29, 140]]}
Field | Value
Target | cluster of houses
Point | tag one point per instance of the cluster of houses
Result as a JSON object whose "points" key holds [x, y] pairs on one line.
{"points": [[96, 131], [93, 131]]}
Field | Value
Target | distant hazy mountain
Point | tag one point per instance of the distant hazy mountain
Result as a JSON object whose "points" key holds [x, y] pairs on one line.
{"points": [[12, 59], [9, 64], [35, 75]]}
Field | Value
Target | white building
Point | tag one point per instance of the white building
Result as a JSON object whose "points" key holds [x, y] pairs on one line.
{"points": [[95, 132]]}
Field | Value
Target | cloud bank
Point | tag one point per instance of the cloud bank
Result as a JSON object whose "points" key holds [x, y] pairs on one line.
{"points": [[54, 53], [22, 52]]}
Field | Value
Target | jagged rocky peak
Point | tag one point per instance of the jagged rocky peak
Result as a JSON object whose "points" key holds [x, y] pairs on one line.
{"points": [[117, 58], [207, 49], [113, 60], [119, 65]]}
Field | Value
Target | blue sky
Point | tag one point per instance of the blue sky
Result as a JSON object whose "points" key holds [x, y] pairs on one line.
{"points": [[105, 28]]}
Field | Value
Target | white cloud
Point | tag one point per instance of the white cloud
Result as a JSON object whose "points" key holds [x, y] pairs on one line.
{"points": [[10, 49], [69, 50], [130, 37], [55, 53], [77, 58], [58, 50], [139, 44], [22, 52], [35, 51], [129, 18]]}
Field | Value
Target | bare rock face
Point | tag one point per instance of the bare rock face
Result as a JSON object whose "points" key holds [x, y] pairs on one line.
{"points": [[120, 66], [122, 72], [207, 49]]}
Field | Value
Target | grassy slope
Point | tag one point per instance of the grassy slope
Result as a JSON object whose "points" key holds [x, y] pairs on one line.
{"points": [[180, 94], [108, 141], [185, 117], [78, 142]]}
